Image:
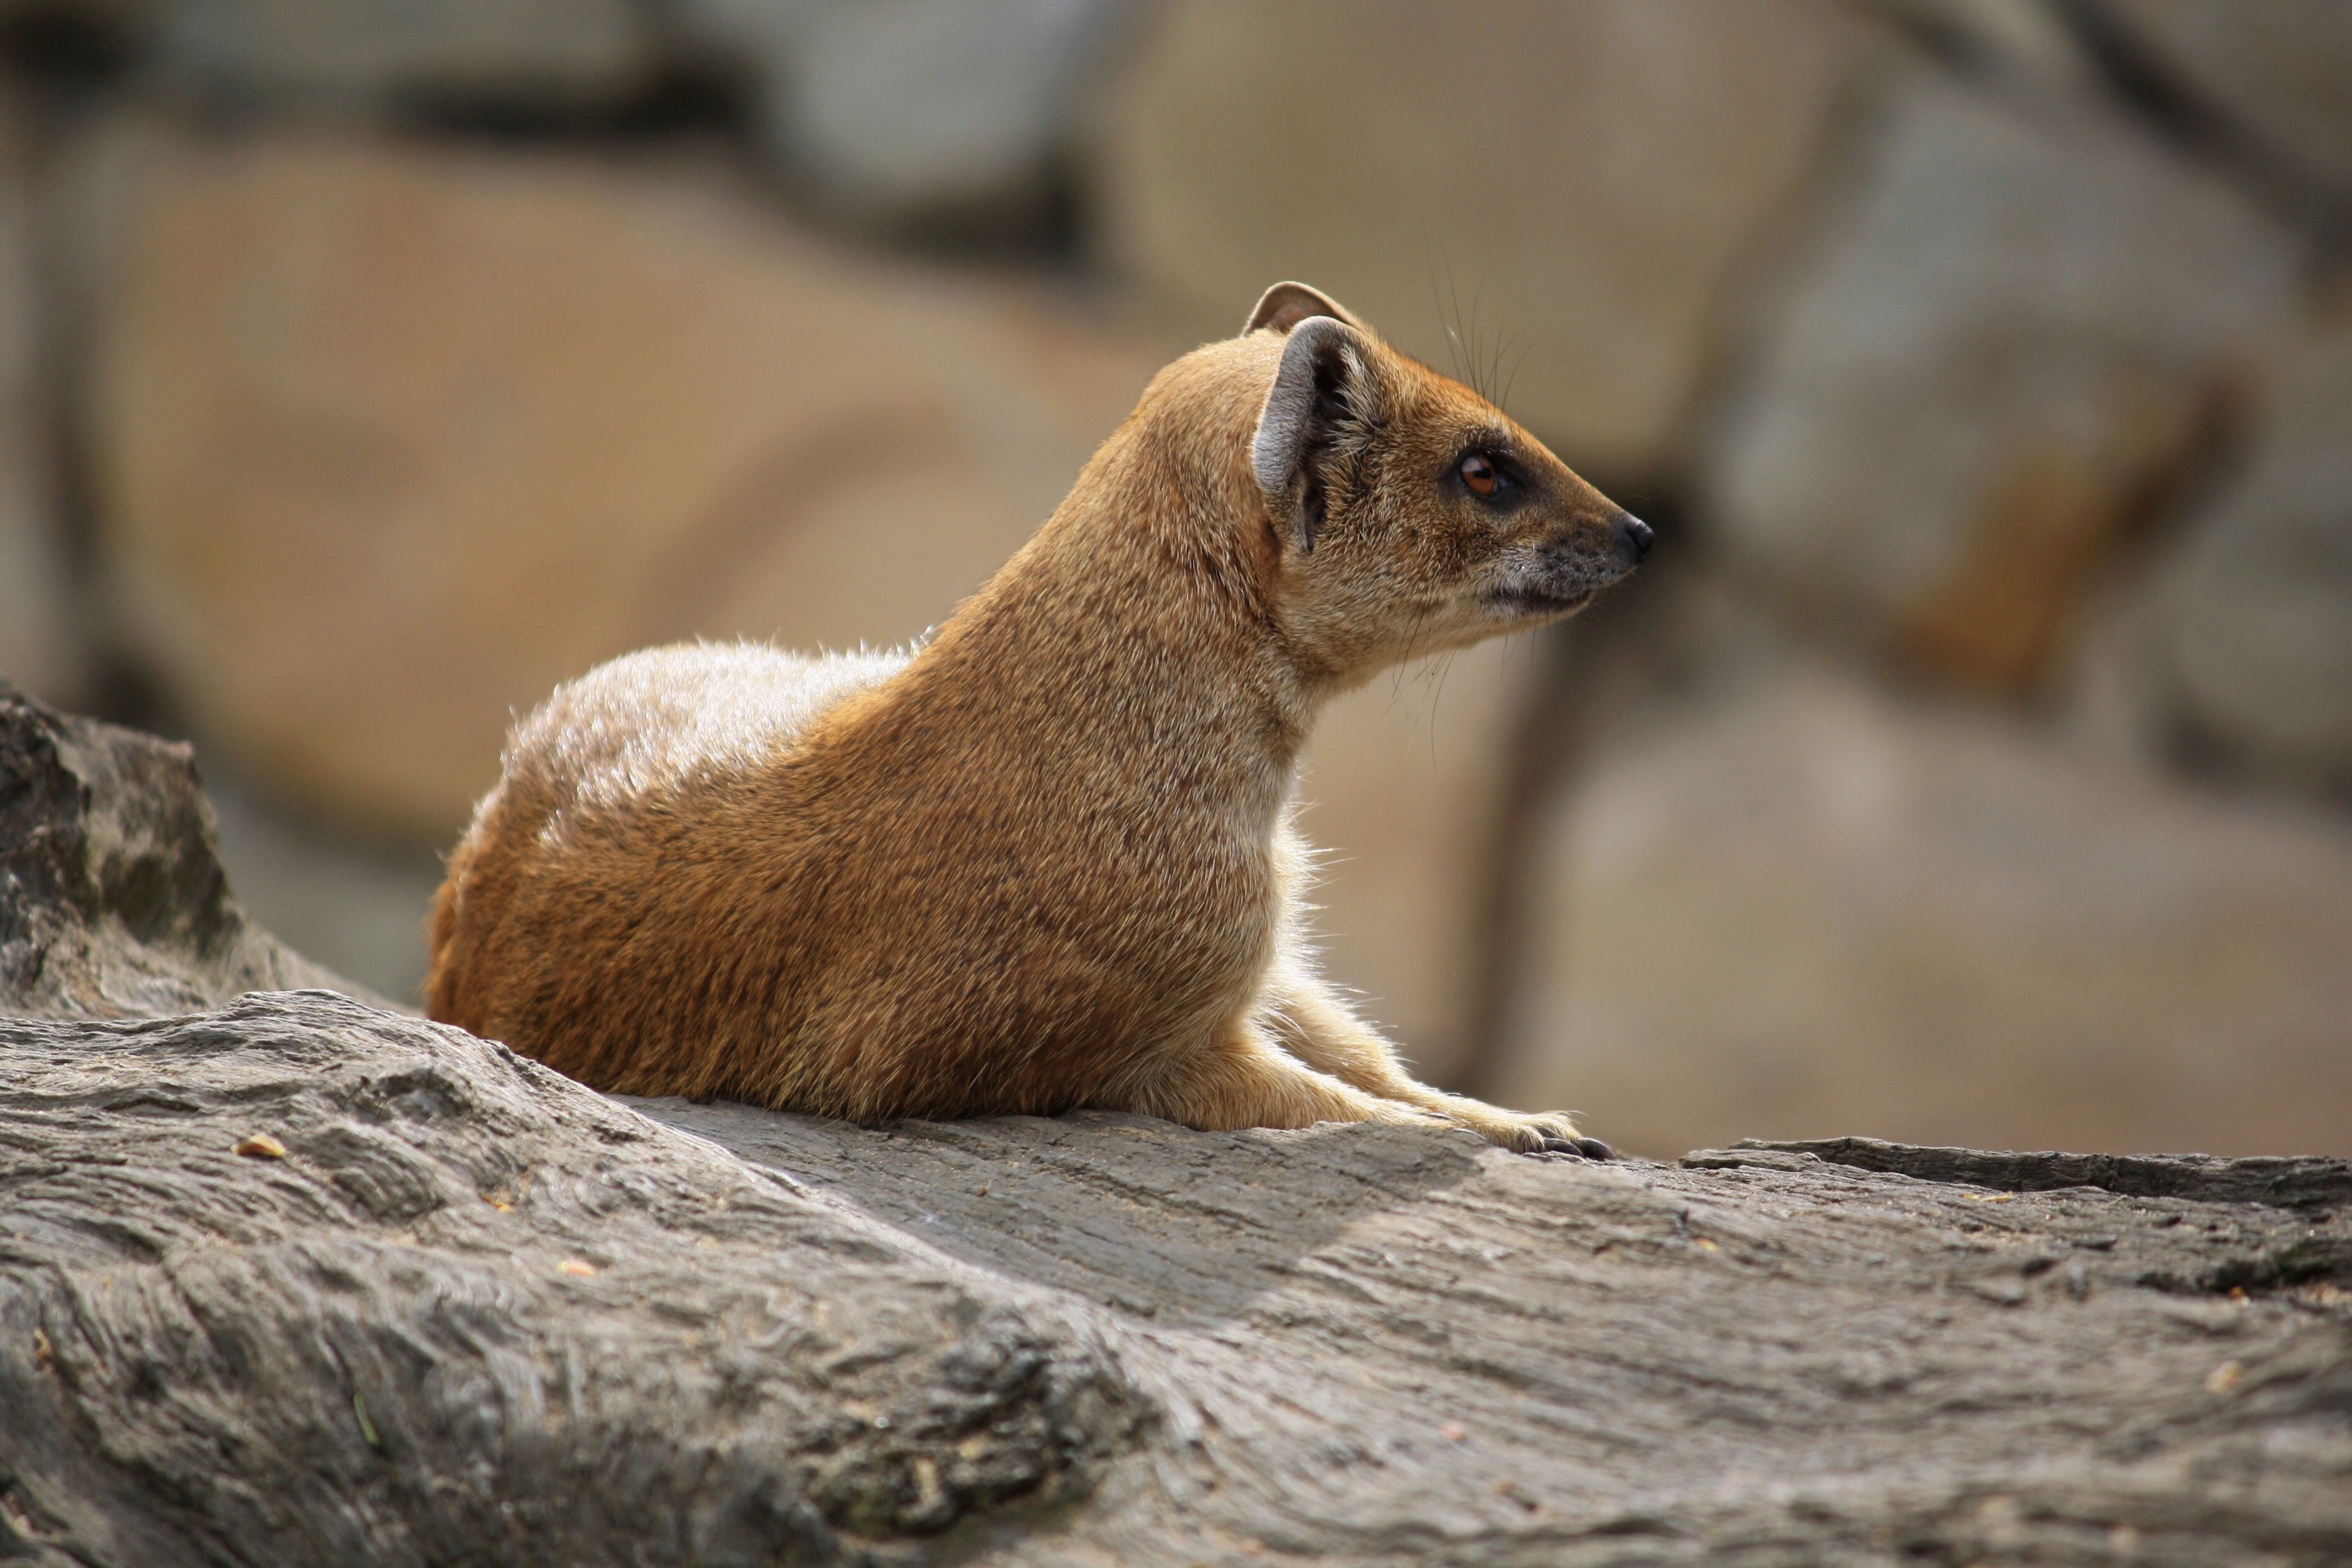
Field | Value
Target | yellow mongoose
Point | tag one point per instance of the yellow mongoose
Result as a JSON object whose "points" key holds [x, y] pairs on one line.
{"points": [[1042, 860]]}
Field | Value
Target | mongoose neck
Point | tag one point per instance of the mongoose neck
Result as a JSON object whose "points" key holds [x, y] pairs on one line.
{"points": [[1132, 640]]}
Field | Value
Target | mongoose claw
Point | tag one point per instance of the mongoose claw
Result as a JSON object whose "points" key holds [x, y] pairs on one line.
{"points": [[1555, 1138], [1582, 1148]]}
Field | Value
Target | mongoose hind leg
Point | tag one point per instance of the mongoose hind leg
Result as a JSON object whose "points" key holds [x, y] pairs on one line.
{"points": [[1246, 1079], [1317, 1026]]}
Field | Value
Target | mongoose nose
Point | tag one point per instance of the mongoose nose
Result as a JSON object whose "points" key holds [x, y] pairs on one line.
{"points": [[1636, 533]]}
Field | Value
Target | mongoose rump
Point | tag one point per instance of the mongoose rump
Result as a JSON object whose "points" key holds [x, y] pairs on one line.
{"points": [[1044, 859]]}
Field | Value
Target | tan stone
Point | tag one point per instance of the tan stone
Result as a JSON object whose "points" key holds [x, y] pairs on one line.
{"points": [[2014, 337], [1571, 187], [2254, 619], [1813, 910]]}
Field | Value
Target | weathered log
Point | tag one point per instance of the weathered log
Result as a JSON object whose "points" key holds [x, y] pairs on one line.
{"points": [[113, 901], [450, 1308]]}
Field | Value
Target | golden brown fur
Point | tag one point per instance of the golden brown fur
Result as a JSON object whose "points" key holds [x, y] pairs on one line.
{"points": [[1044, 860]]}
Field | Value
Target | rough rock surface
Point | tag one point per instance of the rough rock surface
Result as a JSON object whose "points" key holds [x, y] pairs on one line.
{"points": [[299, 1280]]}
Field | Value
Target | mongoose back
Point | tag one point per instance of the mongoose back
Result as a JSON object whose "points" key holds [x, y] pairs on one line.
{"points": [[1044, 859]]}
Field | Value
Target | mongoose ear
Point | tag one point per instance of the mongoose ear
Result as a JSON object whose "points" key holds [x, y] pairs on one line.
{"points": [[1286, 305], [1323, 386]]}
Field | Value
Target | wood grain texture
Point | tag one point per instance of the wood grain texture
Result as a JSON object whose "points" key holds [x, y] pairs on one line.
{"points": [[113, 901], [299, 1280], [479, 1313]]}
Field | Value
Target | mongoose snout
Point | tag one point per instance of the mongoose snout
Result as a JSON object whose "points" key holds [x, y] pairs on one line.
{"points": [[1045, 858], [1570, 571]]}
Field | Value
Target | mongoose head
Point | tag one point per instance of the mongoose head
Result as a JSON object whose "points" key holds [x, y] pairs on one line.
{"points": [[1410, 514]]}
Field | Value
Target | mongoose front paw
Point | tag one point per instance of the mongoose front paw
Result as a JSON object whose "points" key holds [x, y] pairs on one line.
{"points": [[1549, 1135]]}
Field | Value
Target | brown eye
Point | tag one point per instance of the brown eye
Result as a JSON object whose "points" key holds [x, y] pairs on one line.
{"points": [[1479, 475]]}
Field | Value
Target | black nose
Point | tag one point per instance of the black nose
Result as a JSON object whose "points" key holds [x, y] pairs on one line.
{"points": [[1636, 534]]}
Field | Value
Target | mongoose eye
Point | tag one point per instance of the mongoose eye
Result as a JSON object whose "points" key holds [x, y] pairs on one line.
{"points": [[1480, 475]]}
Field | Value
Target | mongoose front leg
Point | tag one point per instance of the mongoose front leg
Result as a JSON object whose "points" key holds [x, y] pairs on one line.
{"points": [[1316, 1026], [1247, 1081]]}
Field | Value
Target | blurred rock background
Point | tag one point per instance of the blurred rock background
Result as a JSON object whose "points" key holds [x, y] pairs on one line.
{"points": [[1973, 763]]}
